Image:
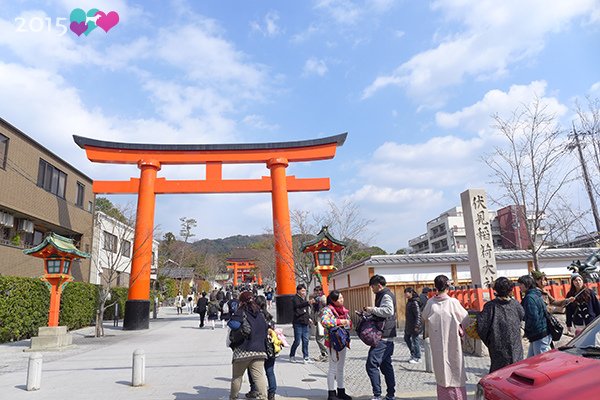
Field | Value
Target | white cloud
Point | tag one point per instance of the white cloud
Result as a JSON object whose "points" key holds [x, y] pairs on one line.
{"points": [[388, 195], [595, 88], [269, 27], [314, 66], [495, 36], [210, 59], [349, 12], [478, 117], [257, 121]]}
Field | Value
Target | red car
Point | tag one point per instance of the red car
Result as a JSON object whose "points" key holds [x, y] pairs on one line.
{"points": [[569, 372]]}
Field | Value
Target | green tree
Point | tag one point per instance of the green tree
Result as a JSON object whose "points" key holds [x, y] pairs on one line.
{"points": [[107, 207]]}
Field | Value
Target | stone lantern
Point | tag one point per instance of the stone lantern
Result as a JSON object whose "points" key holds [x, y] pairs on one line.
{"points": [[323, 247], [58, 253]]}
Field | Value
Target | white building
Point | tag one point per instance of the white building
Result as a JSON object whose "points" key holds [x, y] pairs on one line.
{"points": [[446, 233], [112, 251]]}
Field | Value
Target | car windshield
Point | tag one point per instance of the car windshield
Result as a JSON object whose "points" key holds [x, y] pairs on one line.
{"points": [[589, 338]]}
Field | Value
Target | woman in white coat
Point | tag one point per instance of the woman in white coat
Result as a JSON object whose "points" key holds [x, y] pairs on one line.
{"points": [[445, 319]]}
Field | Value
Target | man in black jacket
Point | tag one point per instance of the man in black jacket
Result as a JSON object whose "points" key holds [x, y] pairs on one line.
{"points": [[202, 303], [413, 325], [380, 357], [300, 323]]}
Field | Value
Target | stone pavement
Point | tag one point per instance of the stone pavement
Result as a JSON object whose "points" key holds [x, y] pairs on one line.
{"points": [[184, 363]]}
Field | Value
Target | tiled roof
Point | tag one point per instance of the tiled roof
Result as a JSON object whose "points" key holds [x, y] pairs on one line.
{"points": [[444, 258], [177, 272]]}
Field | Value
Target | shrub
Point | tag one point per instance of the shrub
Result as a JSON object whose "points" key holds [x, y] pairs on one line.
{"points": [[24, 304], [78, 305], [118, 294]]}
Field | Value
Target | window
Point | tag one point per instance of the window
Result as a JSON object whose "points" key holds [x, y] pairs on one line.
{"points": [[90, 206], [324, 258], [66, 265], [3, 150], [53, 266], [126, 248], [52, 179], [80, 194], [110, 242]]}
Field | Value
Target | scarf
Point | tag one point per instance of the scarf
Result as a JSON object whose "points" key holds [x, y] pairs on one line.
{"points": [[341, 311]]}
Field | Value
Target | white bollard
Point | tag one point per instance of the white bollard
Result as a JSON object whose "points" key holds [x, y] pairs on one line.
{"points": [[138, 376], [34, 372], [428, 360]]}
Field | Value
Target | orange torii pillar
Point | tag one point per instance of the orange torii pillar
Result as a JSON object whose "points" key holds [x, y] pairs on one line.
{"points": [[282, 232], [151, 157], [137, 307]]}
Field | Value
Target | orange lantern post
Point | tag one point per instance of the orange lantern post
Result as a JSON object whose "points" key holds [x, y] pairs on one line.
{"points": [[58, 253], [323, 248]]}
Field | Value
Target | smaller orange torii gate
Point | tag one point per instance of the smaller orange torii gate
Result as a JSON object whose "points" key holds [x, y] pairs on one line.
{"points": [[243, 263], [151, 157]]}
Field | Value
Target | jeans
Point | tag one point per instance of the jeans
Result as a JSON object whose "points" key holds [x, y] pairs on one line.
{"points": [[271, 381], [414, 345], [300, 333], [539, 346], [380, 358]]}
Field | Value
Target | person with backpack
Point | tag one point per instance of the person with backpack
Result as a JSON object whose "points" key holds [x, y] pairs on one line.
{"points": [[249, 331], [379, 357], [212, 310], [274, 345], [231, 306], [179, 303], [336, 320], [201, 306]]}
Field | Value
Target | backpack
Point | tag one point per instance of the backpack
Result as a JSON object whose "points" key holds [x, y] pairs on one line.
{"points": [[233, 305], [339, 338], [213, 309], [274, 344], [369, 330]]}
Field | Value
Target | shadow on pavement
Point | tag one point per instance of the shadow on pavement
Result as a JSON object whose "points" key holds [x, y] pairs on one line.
{"points": [[203, 392]]}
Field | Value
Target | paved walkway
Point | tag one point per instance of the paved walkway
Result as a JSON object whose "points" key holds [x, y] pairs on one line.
{"points": [[184, 363]]}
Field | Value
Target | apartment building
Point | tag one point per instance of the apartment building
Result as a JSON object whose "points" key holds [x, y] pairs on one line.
{"points": [[40, 193], [446, 233], [112, 252]]}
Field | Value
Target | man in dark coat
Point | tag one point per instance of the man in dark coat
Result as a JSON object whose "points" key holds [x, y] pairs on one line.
{"points": [[300, 322], [413, 325], [201, 305]]}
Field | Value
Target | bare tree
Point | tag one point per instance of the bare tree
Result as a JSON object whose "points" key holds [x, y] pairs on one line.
{"points": [[531, 169], [585, 139], [347, 224], [115, 253], [187, 224]]}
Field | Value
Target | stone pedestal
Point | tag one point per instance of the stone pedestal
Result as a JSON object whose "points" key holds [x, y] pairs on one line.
{"points": [[51, 338]]}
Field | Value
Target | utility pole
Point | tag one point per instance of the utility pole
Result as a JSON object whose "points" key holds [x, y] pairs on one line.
{"points": [[586, 179]]}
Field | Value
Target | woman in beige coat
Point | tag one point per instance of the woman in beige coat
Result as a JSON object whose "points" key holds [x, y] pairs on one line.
{"points": [[445, 319]]}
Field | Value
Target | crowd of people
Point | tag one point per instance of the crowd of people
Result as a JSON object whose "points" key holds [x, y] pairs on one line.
{"points": [[501, 325]]}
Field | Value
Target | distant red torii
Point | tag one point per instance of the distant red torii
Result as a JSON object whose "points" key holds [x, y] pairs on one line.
{"points": [[150, 157]]}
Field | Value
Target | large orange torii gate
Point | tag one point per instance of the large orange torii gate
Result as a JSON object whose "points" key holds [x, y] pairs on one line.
{"points": [[150, 157]]}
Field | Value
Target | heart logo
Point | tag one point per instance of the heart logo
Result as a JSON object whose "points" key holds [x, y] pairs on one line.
{"points": [[91, 18], [78, 27], [107, 21], [77, 18]]}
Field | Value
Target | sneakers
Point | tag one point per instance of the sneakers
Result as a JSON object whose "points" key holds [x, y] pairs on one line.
{"points": [[322, 358], [414, 361], [253, 394], [292, 359], [376, 398], [308, 361]]}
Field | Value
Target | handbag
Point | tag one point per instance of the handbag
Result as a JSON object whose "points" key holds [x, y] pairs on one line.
{"points": [[555, 328], [369, 330]]}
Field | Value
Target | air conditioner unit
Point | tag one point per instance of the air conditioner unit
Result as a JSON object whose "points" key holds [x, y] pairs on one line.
{"points": [[6, 219], [25, 226]]}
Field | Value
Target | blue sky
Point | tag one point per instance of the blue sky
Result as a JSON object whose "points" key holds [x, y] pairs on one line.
{"points": [[414, 84]]}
